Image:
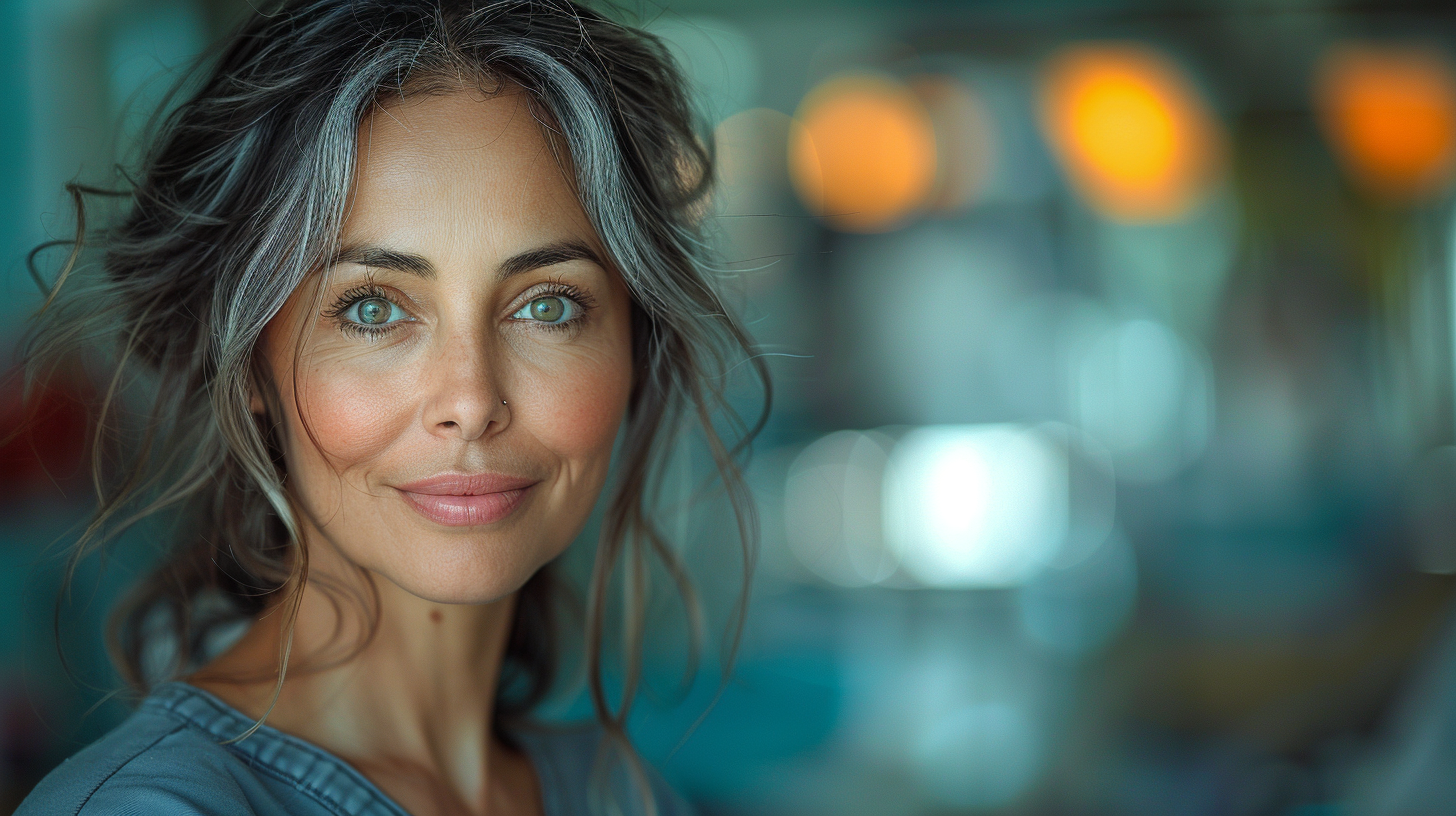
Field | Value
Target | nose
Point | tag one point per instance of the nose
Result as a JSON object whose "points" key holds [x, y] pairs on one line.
{"points": [[465, 399]]}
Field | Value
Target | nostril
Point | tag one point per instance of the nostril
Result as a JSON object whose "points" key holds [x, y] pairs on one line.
{"points": [[449, 423]]}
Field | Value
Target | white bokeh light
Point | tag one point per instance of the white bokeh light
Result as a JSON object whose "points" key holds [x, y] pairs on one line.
{"points": [[975, 505], [832, 508]]}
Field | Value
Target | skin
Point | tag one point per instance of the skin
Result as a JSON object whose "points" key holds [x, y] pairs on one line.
{"points": [[464, 182]]}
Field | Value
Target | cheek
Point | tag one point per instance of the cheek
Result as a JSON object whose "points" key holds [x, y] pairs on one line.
{"points": [[580, 417], [353, 412], [576, 410], [598, 412]]}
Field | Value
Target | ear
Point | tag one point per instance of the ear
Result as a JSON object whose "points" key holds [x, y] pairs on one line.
{"points": [[257, 381]]}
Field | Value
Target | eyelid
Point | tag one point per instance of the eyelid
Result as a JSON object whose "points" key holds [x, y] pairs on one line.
{"points": [[558, 288], [365, 291]]}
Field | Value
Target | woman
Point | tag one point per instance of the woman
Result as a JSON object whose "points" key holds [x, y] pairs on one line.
{"points": [[392, 282]]}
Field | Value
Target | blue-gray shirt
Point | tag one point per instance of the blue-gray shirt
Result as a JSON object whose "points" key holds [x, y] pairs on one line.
{"points": [[167, 760]]}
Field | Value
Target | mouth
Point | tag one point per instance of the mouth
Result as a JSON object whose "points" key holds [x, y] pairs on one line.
{"points": [[466, 500]]}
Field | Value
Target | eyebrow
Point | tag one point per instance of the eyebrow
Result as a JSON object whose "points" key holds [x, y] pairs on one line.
{"points": [[420, 266]]}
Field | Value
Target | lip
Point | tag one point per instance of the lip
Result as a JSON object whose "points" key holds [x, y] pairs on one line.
{"points": [[466, 499]]}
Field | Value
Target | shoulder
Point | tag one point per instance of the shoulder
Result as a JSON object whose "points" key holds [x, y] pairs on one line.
{"points": [[152, 763], [576, 764]]}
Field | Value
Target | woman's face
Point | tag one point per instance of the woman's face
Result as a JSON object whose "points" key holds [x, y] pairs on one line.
{"points": [[451, 413]]}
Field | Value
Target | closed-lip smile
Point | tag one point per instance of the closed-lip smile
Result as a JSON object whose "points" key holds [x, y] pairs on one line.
{"points": [[466, 499]]}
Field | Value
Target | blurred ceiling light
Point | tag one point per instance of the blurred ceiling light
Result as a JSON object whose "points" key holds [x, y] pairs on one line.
{"points": [[832, 508], [1135, 138], [1145, 395], [964, 137], [975, 505], [862, 152], [1390, 112]]}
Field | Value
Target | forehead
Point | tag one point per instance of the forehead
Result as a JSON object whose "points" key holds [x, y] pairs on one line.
{"points": [[441, 170]]}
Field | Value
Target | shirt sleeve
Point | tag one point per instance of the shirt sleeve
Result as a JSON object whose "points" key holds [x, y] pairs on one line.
{"points": [[131, 797], [144, 771]]}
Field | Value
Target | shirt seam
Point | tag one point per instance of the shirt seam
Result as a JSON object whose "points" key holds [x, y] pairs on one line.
{"points": [[253, 761], [323, 797], [550, 774], [318, 795], [114, 771]]}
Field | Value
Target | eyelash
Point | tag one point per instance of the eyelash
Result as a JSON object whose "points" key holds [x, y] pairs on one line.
{"points": [[352, 296]]}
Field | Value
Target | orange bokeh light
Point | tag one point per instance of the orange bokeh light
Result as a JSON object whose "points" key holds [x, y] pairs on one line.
{"points": [[1135, 138], [1391, 114], [862, 152]]}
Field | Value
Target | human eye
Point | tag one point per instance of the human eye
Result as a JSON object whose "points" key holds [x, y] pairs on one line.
{"points": [[554, 308], [368, 310]]}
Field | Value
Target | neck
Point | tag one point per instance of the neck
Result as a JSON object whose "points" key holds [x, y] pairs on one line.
{"points": [[415, 697]]}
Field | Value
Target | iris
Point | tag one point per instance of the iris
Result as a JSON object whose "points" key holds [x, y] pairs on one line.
{"points": [[374, 311], [548, 309]]}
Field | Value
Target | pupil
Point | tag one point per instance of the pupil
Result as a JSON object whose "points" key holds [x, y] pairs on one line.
{"points": [[547, 309], [373, 311]]}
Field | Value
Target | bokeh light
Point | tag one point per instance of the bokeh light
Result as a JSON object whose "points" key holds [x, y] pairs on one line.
{"points": [[1150, 504], [975, 505], [1390, 112], [832, 508], [1145, 395], [1134, 136], [862, 152], [965, 140]]}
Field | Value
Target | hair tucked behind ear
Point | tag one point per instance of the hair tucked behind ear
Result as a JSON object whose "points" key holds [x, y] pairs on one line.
{"points": [[241, 196]]}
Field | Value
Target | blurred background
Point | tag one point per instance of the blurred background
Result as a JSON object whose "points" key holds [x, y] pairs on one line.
{"points": [[1111, 469]]}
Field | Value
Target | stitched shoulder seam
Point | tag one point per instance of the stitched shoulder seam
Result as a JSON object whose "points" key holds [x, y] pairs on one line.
{"points": [[316, 794], [118, 768]]}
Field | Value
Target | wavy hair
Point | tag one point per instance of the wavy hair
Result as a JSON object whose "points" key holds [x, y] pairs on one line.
{"points": [[240, 196]]}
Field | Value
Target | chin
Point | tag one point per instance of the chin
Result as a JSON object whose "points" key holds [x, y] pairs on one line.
{"points": [[459, 572]]}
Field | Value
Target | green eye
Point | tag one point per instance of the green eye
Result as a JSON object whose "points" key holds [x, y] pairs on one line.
{"points": [[373, 311], [551, 309]]}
